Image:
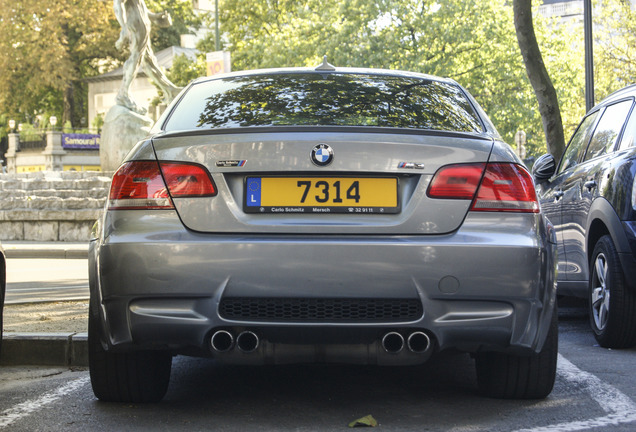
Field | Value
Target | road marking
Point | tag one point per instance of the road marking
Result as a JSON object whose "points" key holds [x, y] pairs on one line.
{"points": [[620, 409], [19, 411]]}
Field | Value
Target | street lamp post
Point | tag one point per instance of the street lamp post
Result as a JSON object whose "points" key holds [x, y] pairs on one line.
{"points": [[589, 56], [13, 147], [216, 25], [54, 151]]}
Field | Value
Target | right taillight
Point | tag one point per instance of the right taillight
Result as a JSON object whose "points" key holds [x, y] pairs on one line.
{"points": [[493, 187], [141, 184], [506, 187]]}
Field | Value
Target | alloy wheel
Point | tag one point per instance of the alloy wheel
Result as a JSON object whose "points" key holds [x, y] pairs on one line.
{"points": [[600, 292]]}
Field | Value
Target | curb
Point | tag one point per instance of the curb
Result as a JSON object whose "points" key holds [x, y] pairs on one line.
{"points": [[46, 250], [45, 349]]}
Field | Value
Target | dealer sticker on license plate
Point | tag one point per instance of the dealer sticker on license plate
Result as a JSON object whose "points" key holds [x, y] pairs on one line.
{"points": [[353, 195]]}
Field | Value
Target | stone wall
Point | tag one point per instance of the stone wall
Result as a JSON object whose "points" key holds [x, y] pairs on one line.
{"points": [[51, 205]]}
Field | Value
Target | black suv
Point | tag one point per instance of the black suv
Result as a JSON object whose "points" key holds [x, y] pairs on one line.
{"points": [[590, 197]]}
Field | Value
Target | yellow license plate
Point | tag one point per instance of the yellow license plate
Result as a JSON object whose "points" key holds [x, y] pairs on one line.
{"points": [[321, 195]]}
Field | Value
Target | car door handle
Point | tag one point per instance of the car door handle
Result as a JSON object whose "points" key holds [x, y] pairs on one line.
{"points": [[590, 184]]}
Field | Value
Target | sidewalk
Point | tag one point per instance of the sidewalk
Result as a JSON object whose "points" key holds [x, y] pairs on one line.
{"points": [[50, 349]]}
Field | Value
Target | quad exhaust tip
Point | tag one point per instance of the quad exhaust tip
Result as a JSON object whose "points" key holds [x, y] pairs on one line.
{"points": [[417, 342], [247, 341], [222, 341], [393, 342]]}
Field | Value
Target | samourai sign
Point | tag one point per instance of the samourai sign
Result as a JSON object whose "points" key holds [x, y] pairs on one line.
{"points": [[76, 141]]}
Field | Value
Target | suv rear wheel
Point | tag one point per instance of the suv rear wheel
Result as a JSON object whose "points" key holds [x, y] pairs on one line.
{"points": [[612, 305], [134, 377], [509, 376]]}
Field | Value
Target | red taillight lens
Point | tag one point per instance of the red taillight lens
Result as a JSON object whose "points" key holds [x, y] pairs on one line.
{"points": [[187, 180], [504, 187], [140, 184], [456, 181]]}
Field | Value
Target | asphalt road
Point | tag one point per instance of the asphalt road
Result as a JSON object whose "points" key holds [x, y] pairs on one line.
{"points": [[595, 390], [35, 280]]}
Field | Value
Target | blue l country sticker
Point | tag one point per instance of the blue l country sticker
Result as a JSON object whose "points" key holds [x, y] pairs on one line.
{"points": [[253, 192]]}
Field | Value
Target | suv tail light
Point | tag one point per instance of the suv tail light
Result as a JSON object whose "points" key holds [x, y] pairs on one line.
{"points": [[494, 186], [152, 185]]}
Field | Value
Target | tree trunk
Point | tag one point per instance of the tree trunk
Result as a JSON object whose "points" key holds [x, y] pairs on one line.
{"points": [[69, 102], [539, 78]]}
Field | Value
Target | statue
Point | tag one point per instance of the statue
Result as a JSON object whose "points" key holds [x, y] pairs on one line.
{"points": [[125, 123], [135, 18]]}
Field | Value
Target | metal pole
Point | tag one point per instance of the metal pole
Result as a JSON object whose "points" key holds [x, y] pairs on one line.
{"points": [[216, 25], [589, 55]]}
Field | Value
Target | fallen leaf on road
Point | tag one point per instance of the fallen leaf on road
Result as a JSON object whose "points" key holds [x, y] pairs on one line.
{"points": [[367, 421]]}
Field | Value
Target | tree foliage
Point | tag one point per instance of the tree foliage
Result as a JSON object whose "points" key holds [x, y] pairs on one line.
{"points": [[614, 42], [471, 42], [184, 21], [184, 70], [46, 48]]}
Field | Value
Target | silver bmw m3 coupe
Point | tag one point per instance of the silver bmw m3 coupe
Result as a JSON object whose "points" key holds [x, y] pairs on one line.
{"points": [[322, 215]]}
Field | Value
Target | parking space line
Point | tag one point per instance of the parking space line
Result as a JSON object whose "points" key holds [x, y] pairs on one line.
{"points": [[23, 409], [619, 407]]}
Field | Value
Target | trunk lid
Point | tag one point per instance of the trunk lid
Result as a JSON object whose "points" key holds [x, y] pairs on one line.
{"points": [[357, 202]]}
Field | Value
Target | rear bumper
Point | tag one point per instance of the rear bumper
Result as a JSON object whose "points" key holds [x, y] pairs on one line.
{"points": [[484, 287]]}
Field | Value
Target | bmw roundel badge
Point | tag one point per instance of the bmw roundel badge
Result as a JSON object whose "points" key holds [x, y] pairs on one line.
{"points": [[322, 155]]}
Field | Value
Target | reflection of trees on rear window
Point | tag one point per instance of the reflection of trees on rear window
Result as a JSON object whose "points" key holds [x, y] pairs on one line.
{"points": [[333, 99]]}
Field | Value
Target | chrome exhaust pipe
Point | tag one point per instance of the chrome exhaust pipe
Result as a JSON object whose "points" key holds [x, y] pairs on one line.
{"points": [[222, 341], [393, 342], [247, 341], [418, 342]]}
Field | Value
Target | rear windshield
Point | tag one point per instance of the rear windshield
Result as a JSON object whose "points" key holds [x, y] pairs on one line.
{"points": [[310, 99]]}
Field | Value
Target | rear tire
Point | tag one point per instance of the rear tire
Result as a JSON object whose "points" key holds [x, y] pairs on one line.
{"points": [[611, 303], [509, 376], [132, 377]]}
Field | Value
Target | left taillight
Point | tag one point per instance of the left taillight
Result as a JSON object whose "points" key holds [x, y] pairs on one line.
{"points": [[152, 185]]}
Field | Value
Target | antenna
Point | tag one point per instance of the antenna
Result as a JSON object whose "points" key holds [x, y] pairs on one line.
{"points": [[325, 66]]}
